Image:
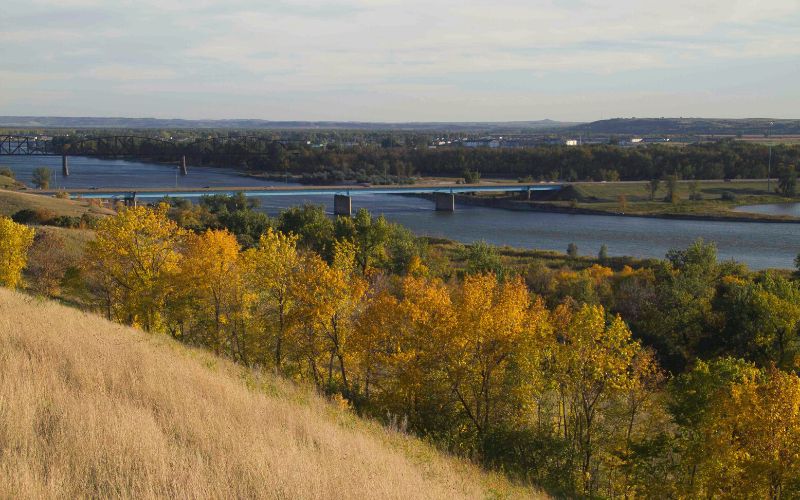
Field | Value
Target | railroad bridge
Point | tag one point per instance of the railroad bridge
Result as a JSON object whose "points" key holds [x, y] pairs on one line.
{"points": [[232, 148]]}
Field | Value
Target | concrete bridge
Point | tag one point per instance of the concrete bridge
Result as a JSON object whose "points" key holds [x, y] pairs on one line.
{"points": [[443, 194]]}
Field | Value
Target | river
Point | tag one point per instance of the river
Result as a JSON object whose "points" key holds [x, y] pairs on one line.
{"points": [[759, 245]]}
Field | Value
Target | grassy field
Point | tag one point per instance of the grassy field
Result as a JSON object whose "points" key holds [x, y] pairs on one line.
{"points": [[94, 409], [9, 183], [606, 197], [14, 201]]}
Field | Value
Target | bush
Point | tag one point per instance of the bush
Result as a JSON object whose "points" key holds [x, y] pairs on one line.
{"points": [[539, 457], [65, 221], [728, 196], [32, 216], [471, 177], [7, 172]]}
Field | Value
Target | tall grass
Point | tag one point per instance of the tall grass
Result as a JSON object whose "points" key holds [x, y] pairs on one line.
{"points": [[90, 408]]}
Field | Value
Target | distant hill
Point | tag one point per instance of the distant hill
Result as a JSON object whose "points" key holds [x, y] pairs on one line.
{"points": [[691, 126], [144, 123], [89, 408]]}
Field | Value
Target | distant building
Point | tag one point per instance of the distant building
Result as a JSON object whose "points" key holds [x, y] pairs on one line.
{"points": [[571, 142], [482, 143]]}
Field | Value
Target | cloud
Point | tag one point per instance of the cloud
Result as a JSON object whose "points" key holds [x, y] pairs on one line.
{"points": [[429, 56]]}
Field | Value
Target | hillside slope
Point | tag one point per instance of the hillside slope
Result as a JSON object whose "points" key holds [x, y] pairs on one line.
{"points": [[91, 408], [13, 201]]}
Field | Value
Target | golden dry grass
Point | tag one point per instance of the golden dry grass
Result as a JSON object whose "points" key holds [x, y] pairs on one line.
{"points": [[91, 408], [14, 201]]}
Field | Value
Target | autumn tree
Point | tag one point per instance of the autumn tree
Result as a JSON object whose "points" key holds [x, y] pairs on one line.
{"points": [[328, 298], [592, 367], [497, 332], [15, 240], [210, 281], [755, 436], [270, 271], [133, 261]]}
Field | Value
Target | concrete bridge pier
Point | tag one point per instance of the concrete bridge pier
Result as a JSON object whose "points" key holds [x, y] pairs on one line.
{"points": [[184, 170], [342, 205], [64, 166], [445, 202], [130, 200]]}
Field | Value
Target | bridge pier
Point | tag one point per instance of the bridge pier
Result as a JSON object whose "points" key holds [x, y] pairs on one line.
{"points": [[130, 200], [64, 166], [184, 170], [342, 205], [445, 202]]}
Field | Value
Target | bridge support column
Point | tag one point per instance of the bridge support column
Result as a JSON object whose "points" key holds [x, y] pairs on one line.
{"points": [[342, 205], [184, 170], [445, 202], [130, 200], [64, 166]]}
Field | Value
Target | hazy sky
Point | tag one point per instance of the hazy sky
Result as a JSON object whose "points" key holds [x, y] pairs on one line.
{"points": [[401, 60]]}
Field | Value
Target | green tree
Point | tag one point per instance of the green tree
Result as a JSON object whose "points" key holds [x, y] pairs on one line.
{"points": [[787, 181], [313, 228], [572, 250], [41, 177], [602, 255], [652, 187], [481, 257], [369, 235]]}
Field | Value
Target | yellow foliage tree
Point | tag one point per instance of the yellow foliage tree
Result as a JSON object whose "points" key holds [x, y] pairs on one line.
{"points": [[754, 438], [15, 240], [134, 258], [327, 300], [271, 269], [211, 279], [496, 332], [594, 363]]}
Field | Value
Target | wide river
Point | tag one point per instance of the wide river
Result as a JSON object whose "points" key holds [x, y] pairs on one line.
{"points": [[760, 245]]}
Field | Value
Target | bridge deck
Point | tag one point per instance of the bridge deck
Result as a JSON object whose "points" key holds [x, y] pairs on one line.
{"points": [[308, 190]]}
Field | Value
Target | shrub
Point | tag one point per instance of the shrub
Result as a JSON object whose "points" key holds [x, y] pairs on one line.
{"points": [[65, 221], [728, 196], [572, 250], [7, 172], [33, 216]]}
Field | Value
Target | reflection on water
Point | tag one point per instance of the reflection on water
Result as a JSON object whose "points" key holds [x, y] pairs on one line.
{"points": [[760, 245], [790, 209]]}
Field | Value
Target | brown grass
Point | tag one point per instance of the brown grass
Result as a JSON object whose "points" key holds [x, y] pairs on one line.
{"points": [[91, 408], [14, 201]]}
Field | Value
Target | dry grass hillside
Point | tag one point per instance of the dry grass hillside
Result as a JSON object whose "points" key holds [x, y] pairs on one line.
{"points": [[14, 201], [89, 408]]}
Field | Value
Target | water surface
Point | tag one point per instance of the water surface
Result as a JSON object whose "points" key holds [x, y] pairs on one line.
{"points": [[760, 245], [790, 209]]}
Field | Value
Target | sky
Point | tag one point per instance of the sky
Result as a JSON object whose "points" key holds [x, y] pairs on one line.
{"points": [[401, 60]]}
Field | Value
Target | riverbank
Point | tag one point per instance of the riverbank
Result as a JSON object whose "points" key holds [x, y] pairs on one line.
{"points": [[509, 203], [699, 201]]}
